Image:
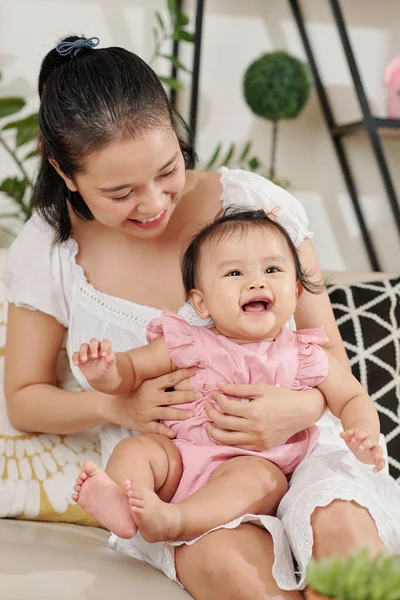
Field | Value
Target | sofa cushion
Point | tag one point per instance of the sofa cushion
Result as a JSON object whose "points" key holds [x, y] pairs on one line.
{"points": [[53, 561], [368, 316]]}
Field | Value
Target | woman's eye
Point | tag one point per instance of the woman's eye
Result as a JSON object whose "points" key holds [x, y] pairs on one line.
{"points": [[122, 198], [272, 270], [165, 175], [233, 274]]}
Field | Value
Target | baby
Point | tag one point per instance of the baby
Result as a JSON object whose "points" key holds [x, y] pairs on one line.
{"points": [[243, 271]]}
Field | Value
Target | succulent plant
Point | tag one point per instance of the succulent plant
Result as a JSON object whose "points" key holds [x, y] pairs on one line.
{"points": [[359, 577]]}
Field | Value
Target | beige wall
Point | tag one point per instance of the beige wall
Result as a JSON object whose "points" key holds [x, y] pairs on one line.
{"points": [[236, 32]]}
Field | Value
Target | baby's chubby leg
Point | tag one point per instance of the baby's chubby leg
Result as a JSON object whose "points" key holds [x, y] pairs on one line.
{"points": [[151, 460], [244, 484]]}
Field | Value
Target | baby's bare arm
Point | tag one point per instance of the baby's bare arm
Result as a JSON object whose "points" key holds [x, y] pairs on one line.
{"points": [[347, 400], [121, 372], [144, 363]]}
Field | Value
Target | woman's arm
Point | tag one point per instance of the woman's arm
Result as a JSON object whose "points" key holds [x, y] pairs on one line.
{"points": [[34, 403], [315, 310]]}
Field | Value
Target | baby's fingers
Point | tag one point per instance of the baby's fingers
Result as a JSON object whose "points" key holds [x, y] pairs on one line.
{"points": [[80, 357], [105, 348], [94, 348], [377, 452]]}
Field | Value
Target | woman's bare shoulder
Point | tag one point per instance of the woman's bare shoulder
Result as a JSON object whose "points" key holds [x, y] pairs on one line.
{"points": [[204, 189]]}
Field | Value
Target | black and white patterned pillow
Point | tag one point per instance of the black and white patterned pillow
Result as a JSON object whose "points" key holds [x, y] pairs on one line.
{"points": [[368, 316]]}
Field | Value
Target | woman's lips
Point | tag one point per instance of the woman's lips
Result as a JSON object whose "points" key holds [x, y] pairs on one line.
{"points": [[150, 224]]}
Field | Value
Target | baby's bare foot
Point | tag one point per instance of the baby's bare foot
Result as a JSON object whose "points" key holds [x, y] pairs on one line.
{"points": [[99, 496], [156, 520]]}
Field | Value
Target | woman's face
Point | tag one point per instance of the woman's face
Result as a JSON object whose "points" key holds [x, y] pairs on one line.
{"points": [[134, 185]]}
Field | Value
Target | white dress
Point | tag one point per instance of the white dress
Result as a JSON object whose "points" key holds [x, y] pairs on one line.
{"points": [[55, 284]]}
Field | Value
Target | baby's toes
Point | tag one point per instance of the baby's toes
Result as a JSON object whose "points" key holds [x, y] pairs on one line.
{"points": [[77, 488]]}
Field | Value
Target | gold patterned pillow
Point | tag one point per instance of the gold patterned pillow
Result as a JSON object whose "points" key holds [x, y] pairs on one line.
{"points": [[37, 471]]}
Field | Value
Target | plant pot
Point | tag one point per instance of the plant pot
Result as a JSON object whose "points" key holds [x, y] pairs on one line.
{"points": [[311, 595]]}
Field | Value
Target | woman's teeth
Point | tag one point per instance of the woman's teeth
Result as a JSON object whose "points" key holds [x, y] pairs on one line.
{"points": [[150, 219]]}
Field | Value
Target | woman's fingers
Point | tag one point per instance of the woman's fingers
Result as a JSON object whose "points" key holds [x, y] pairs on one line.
{"points": [[155, 427], [225, 421], [231, 407], [229, 438], [172, 379], [179, 397], [242, 390], [173, 414]]}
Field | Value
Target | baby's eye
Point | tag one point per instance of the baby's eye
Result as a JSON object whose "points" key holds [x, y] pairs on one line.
{"points": [[272, 270], [233, 274]]}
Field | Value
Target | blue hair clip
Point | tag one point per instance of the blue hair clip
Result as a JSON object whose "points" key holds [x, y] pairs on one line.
{"points": [[72, 48]]}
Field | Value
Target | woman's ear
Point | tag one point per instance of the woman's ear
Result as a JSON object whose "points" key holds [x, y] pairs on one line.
{"points": [[68, 182], [198, 302]]}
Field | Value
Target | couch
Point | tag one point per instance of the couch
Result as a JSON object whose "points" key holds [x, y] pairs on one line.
{"points": [[59, 561]]}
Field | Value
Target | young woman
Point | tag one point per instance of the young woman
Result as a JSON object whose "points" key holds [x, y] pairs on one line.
{"points": [[117, 201]]}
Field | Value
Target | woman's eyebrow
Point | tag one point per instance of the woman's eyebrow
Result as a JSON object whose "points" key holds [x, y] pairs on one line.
{"points": [[123, 186]]}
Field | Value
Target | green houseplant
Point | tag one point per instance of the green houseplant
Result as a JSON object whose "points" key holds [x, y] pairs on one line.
{"points": [[15, 135], [276, 86], [360, 577]]}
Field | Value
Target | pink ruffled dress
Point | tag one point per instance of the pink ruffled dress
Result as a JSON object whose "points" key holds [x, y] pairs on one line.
{"points": [[294, 360]]}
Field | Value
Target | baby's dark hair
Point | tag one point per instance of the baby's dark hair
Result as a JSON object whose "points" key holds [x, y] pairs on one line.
{"points": [[236, 219]]}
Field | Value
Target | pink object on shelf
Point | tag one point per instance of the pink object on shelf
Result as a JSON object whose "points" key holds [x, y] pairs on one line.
{"points": [[392, 81]]}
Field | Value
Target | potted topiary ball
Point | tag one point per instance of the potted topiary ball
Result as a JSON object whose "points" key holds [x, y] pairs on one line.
{"points": [[360, 577], [276, 86]]}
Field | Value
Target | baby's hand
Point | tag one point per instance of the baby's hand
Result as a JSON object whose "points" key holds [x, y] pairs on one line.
{"points": [[97, 362], [362, 446]]}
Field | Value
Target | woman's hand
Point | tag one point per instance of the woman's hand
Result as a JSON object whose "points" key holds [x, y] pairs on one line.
{"points": [[145, 407], [271, 417]]}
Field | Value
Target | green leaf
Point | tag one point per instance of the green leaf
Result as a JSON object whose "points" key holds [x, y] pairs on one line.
{"points": [[181, 34], [214, 157], [254, 164], [246, 151], [15, 188], [175, 62], [173, 9], [171, 82], [10, 106], [27, 129], [229, 155], [160, 20], [182, 20]]}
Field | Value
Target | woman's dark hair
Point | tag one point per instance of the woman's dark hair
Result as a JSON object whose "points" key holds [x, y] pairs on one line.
{"points": [[232, 220], [86, 102]]}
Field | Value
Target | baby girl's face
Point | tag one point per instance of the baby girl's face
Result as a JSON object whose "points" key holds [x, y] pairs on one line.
{"points": [[247, 284]]}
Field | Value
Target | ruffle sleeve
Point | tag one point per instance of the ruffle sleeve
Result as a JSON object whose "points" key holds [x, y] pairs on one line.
{"points": [[179, 337], [38, 273], [247, 189], [313, 362]]}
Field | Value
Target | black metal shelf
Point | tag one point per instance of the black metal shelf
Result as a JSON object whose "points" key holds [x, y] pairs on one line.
{"points": [[374, 127], [356, 126]]}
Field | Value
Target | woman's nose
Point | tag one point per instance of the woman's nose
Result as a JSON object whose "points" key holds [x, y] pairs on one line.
{"points": [[151, 203]]}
